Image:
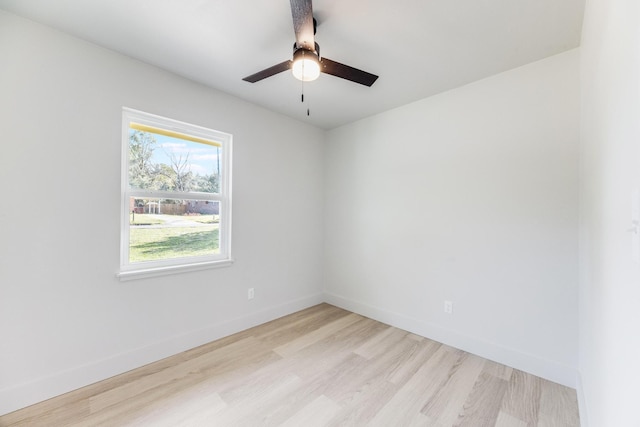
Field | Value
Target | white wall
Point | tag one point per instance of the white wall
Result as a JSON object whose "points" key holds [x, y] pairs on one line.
{"points": [[65, 320], [610, 173], [469, 196]]}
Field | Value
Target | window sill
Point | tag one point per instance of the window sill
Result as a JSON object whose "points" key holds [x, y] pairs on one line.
{"points": [[173, 269]]}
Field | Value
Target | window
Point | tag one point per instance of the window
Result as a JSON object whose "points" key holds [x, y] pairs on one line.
{"points": [[176, 197]]}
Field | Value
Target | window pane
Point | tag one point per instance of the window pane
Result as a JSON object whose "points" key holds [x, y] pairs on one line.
{"points": [[161, 229], [161, 162], [176, 210]]}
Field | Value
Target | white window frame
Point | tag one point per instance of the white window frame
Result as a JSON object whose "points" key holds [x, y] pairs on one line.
{"points": [[129, 271]]}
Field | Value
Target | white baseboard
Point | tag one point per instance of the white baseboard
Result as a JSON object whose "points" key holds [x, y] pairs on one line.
{"points": [[19, 396], [547, 369]]}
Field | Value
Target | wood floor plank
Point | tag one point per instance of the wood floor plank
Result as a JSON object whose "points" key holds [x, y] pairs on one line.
{"points": [[416, 392], [223, 359], [483, 403], [366, 375], [497, 370], [317, 414], [165, 410], [203, 416], [323, 366], [363, 407], [57, 411], [316, 335], [506, 420], [416, 357], [380, 342], [522, 399], [330, 357], [447, 403], [421, 420], [555, 403], [322, 356], [282, 331], [250, 408]]}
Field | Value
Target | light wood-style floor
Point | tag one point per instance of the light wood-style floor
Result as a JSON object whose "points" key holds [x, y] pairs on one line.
{"points": [[319, 367]]}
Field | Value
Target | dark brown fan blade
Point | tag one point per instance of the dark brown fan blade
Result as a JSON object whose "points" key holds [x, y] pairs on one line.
{"points": [[268, 72], [302, 13], [346, 72]]}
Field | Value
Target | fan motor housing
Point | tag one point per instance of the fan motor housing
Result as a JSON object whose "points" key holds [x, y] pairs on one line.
{"points": [[296, 49]]}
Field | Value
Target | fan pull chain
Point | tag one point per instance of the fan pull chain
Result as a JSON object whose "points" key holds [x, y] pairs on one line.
{"points": [[302, 83], [302, 91]]}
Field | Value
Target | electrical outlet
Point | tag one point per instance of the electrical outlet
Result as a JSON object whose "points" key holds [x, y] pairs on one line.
{"points": [[448, 307], [250, 293]]}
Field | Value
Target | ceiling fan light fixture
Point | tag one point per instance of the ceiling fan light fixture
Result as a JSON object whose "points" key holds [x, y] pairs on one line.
{"points": [[306, 65]]}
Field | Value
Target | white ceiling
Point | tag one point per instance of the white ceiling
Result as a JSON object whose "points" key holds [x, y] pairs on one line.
{"points": [[417, 47]]}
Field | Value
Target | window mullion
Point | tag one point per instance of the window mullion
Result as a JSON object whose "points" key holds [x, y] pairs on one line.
{"points": [[152, 194]]}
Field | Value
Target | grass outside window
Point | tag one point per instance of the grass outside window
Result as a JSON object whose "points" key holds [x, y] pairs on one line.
{"points": [[155, 237]]}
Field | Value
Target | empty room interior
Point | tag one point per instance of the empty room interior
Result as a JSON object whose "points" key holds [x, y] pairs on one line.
{"points": [[442, 228]]}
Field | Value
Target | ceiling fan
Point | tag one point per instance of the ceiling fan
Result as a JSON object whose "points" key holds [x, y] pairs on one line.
{"points": [[307, 64]]}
